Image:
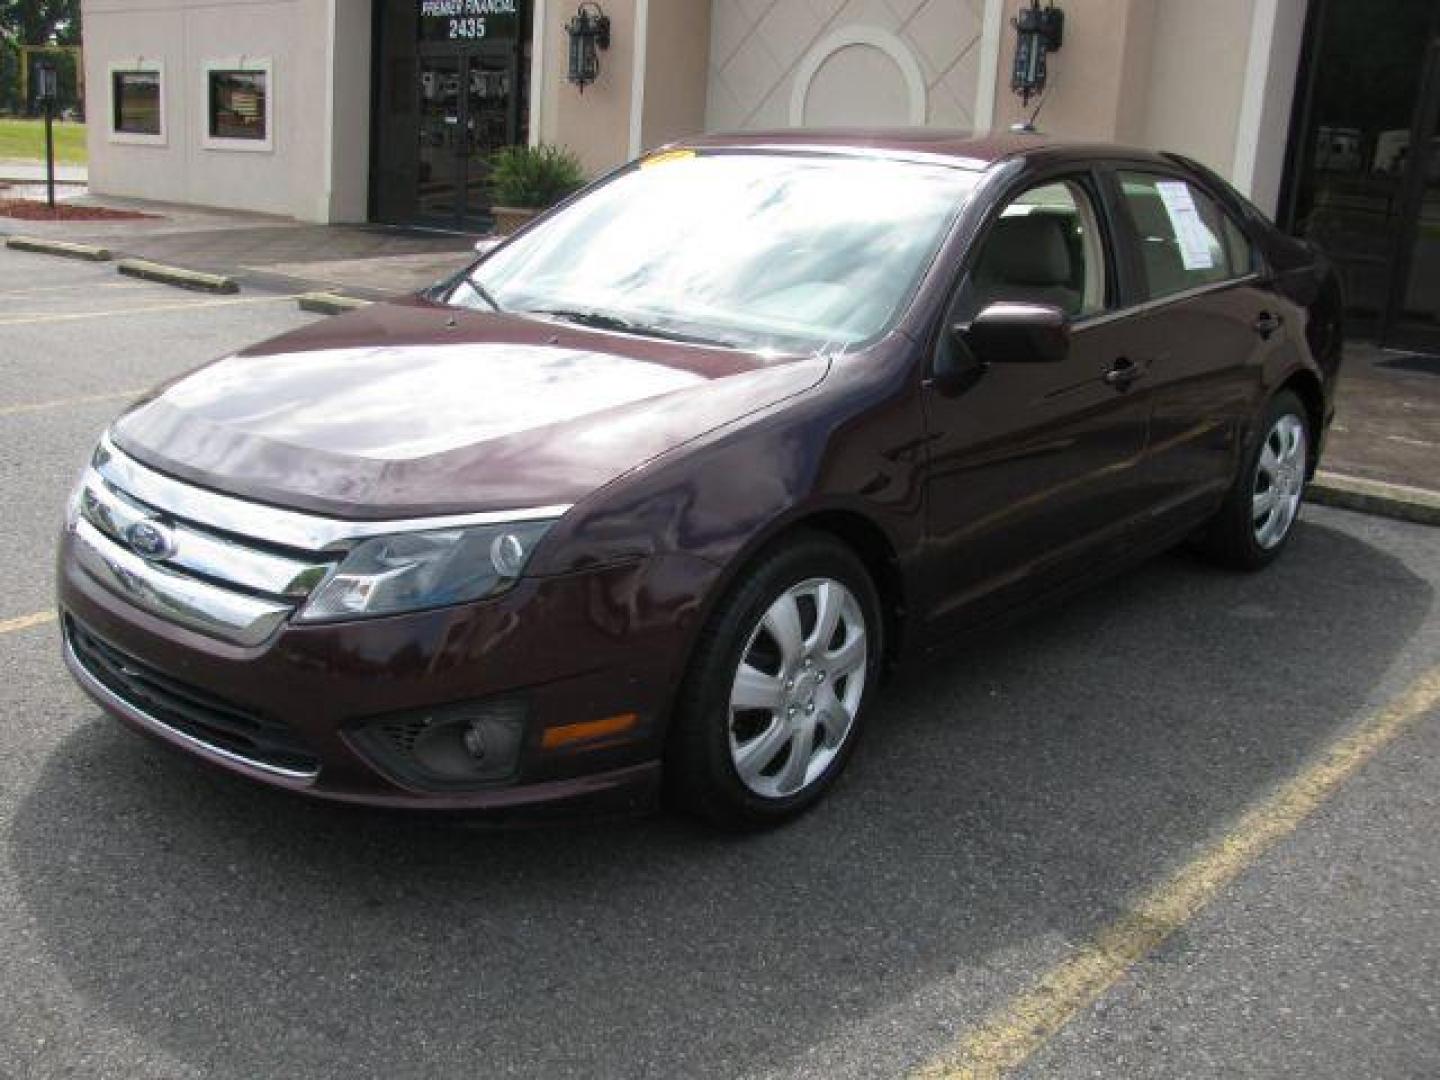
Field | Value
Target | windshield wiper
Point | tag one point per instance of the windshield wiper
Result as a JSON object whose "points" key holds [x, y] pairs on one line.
{"points": [[604, 320], [484, 294]]}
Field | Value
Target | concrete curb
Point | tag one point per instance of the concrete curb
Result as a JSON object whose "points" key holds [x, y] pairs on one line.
{"points": [[177, 276], [1375, 497], [58, 247], [324, 303]]}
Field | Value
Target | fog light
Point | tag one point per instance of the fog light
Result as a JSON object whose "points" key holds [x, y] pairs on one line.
{"points": [[456, 746]]}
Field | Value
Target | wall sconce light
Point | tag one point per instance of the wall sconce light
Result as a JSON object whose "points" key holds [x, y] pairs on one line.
{"points": [[1038, 31], [589, 32]]}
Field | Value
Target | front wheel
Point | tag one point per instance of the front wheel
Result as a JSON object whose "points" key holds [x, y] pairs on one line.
{"points": [[1258, 517], [772, 705]]}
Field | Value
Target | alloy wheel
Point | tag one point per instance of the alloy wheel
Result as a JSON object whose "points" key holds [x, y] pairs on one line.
{"points": [[797, 688], [1279, 481]]}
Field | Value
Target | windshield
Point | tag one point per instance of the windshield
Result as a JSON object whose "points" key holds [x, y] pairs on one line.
{"points": [[786, 252]]}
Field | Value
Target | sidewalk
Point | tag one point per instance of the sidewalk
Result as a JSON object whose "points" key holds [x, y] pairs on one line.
{"points": [[33, 172], [1387, 418], [367, 261]]}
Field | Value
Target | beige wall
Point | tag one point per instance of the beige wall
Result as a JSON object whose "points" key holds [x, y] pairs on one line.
{"points": [[856, 61], [350, 128], [642, 98], [1212, 80], [595, 124], [1197, 78], [290, 178], [677, 49], [1264, 126], [1096, 80]]}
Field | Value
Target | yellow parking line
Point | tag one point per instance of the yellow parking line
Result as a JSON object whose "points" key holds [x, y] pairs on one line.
{"points": [[25, 622], [39, 317], [1028, 1021], [59, 403]]}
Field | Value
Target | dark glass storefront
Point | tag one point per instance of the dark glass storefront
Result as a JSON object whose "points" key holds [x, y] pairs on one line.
{"points": [[452, 86], [1364, 167]]}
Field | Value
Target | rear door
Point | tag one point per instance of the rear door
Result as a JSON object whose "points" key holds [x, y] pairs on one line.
{"points": [[1032, 465], [1203, 322]]}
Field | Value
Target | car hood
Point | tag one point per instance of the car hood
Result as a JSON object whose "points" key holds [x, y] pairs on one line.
{"points": [[413, 409]]}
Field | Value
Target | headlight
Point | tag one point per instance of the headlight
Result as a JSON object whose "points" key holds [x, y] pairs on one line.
{"points": [[410, 571]]}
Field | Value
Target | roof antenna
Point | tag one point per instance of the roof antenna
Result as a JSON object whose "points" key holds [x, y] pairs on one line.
{"points": [[1030, 124]]}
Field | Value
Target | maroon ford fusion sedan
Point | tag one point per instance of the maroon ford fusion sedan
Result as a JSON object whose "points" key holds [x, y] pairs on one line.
{"points": [[656, 489]]}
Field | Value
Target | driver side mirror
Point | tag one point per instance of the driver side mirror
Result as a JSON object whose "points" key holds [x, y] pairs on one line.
{"points": [[1003, 333], [1011, 333], [487, 244]]}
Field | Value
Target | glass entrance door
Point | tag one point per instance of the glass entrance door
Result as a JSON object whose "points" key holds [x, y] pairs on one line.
{"points": [[1415, 314], [491, 121], [1363, 176], [441, 174], [468, 110]]}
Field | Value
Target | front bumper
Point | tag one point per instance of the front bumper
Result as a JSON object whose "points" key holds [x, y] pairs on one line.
{"points": [[576, 647]]}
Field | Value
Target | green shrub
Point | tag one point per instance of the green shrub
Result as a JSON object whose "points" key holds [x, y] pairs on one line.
{"points": [[534, 177]]}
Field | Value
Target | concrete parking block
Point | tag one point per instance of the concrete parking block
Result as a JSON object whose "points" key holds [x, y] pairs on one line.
{"points": [[64, 249], [177, 276], [323, 303], [1375, 497]]}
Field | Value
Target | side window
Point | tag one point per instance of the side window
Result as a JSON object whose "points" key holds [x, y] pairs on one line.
{"points": [[1186, 239], [1045, 248]]}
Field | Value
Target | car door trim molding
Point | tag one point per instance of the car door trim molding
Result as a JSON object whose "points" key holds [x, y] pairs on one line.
{"points": [[1147, 306]]}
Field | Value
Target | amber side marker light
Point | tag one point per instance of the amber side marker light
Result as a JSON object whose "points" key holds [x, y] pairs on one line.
{"points": [[566, 734]]}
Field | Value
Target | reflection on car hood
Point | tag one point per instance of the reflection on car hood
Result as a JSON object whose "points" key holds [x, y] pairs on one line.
{"points": [[413, 409]]}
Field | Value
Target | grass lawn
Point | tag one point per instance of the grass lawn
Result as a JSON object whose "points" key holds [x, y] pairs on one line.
{"points": [[22, 140]]}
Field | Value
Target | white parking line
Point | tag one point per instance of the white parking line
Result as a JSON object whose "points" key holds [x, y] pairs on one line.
{"points": [[78, 286], [31, 317]]}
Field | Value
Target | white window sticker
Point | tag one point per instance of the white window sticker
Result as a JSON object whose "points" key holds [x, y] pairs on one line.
{"points": [[1197, 245]]}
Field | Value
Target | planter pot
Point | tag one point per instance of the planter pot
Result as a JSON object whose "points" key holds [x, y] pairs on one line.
{"points": [[510, 218]]}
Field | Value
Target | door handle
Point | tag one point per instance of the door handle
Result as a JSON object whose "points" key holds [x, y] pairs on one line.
{"points": [[1266, 324], [1122, 373]]}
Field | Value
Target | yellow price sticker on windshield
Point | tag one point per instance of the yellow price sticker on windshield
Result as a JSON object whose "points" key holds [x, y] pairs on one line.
{"points": [[665, 157]]}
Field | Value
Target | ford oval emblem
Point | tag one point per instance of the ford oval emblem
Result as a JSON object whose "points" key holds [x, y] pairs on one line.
{"points": [[150, 539]]}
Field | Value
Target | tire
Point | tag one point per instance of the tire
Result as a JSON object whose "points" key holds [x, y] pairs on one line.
{"points": [[735, 750], [1255, 524]]}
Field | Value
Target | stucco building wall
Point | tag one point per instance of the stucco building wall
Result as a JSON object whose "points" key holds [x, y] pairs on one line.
{"points": [[1213, 80], [778, 63], [290, 177]]}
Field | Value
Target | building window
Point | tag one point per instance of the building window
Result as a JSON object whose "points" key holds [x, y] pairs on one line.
{"points": [[239, 105], [137, 102]]}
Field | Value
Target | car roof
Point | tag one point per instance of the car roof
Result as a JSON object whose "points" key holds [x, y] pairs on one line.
{"points": [[957, 147]]}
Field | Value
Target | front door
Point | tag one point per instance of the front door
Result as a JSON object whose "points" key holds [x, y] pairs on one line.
{"points": [[468, 109], [1033, 465]]}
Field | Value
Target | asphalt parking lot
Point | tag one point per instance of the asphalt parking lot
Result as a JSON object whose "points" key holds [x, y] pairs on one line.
{"points": [[1015, 803]]}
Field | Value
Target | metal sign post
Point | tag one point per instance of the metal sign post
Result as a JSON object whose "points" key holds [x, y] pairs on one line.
{"points": [[48, 89]]}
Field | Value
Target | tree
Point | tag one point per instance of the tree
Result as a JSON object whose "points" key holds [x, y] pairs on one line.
{"points": [[32, 22], [39, 22]]}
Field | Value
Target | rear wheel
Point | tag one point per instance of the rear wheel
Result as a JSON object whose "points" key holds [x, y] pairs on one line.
{"points": [[773, 702], [1258, 517]]}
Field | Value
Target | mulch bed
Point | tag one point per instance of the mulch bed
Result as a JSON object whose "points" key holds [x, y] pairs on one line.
{"points": [[34, 210]]}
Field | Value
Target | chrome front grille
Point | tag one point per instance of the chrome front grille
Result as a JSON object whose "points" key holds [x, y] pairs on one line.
{"points": [[226, 567], [195, 568]]}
